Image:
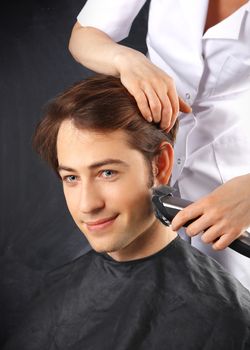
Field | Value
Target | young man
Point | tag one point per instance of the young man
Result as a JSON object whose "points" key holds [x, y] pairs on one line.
{"points": [[198, 51], [141, 287]]}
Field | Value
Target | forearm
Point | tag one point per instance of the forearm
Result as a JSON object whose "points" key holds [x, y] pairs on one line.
{"points": [[153, 90], [97, 51]]}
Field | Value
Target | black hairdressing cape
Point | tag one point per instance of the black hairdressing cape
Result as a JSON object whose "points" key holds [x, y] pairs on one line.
{"points": [[176, 299]]}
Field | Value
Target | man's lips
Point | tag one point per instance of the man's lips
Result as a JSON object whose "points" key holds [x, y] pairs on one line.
{"points": [[100, 224]]}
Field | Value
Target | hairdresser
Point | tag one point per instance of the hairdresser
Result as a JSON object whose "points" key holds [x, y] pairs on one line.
{"points": [[197, 68]]}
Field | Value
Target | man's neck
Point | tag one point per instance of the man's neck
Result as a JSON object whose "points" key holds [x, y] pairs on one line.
{"points": [[148, 243]]}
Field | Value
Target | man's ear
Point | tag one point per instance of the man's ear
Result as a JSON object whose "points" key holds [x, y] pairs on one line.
{"points": [[163, 164]]}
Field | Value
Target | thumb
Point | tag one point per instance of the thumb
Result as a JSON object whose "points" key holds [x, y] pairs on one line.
{"points": [[184, 107]]}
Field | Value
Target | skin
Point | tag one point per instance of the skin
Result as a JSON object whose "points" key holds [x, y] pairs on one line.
{"points": [[107, 191], [218, 10]]}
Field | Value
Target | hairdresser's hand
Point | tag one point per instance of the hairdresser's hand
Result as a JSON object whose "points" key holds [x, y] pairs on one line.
{"points": [[223, 215], [153, 90]]}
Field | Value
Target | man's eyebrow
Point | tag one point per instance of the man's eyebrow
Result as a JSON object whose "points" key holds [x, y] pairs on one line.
{"points": [[109, 161], [66, 168], [105, 162]]}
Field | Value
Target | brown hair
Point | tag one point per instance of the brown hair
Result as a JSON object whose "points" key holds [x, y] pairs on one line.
{"points": [[99, 103]]}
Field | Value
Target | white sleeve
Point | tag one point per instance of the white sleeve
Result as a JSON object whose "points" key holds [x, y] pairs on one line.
{"points": [[114, 17]]}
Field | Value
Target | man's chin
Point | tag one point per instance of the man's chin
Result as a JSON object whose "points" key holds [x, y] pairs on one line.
{"points": [[107, 248], [99, 247]]}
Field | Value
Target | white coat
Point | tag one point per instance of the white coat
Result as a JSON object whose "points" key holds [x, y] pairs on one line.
{"points": [[212, 73]]}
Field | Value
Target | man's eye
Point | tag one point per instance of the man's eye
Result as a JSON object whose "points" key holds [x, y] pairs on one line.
{"points": [[70, 178], [108, 173]]}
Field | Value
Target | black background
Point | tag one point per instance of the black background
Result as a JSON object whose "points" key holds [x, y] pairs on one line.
{"points": [[37, 233]]}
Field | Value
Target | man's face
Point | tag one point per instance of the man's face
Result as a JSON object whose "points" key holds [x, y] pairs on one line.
{"points": [[106, 186]]}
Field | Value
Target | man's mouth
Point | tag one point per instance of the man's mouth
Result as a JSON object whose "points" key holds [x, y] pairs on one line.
{"points": [[100, 224]]}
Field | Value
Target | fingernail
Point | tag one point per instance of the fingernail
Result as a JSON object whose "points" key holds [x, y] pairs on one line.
{"points": [[149, 119], [173, 227]]}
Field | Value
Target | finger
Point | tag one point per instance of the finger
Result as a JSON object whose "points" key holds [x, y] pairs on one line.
{"points": [[154, 104], [166, 106], [212, 234], [201, 224], [174, 102], [191, 212], [173, 120], [143, 105], [166, 115], [184, 107], [223, 242]]}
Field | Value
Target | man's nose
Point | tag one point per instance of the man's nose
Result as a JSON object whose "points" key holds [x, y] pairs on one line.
{"points": [[90, 199]]}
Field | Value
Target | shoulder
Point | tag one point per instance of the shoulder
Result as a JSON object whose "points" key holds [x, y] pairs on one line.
{"points": [[211, 295], [71, 268], [43, 312], [206, 279]]}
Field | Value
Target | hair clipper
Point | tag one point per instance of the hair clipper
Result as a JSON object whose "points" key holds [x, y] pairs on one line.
{"points": [[166, 207]]}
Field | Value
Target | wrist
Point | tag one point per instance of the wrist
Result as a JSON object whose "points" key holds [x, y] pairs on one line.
{"points": [[125, 57]]}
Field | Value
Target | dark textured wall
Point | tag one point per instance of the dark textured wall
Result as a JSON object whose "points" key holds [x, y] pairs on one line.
{"points": [[37, 234]]}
